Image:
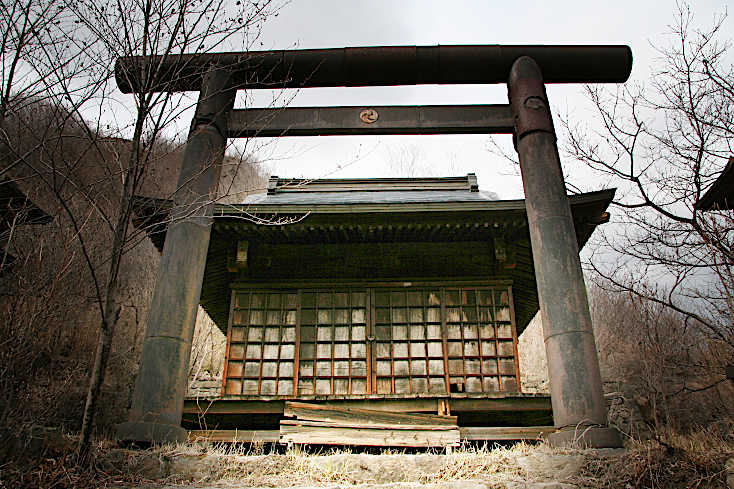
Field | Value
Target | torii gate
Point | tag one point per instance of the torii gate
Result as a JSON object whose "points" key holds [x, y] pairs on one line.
{"points": [[579, 412]]}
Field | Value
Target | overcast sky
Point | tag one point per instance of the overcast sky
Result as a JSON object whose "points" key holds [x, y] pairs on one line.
{"points": [[339, 23]]}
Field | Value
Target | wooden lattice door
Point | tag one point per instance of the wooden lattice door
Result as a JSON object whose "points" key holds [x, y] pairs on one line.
{"points": [[261, 344], [481, 340], [358, 341], [408, 349], [333, 342]]}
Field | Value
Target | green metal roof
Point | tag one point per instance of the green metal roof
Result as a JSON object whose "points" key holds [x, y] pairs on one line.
{"points": [[350, 194]]}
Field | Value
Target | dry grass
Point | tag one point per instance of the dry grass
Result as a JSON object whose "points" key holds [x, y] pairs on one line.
{"points": [[250, 467], [694, 461]]}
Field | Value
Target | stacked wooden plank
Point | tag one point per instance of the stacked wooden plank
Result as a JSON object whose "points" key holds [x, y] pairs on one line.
{"points": [[316, 424]]}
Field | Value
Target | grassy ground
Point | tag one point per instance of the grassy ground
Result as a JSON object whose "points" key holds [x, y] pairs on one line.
{"points": [[695, 461]]}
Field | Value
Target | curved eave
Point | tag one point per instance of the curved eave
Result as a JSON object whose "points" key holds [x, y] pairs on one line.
{"points": [[234, 210], [720, 196]]}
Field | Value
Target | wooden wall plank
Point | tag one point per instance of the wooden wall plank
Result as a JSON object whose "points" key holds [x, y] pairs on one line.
{"points": [[501, 404], [274, 261], [494, 402]]}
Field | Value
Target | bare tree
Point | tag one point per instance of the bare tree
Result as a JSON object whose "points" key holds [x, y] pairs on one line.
{"points": [[662, 143], [164, 27], [408, 161], [65, 52]]}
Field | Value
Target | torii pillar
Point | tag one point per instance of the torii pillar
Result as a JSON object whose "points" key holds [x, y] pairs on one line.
{"points": [[579, 411], [160, 387], [578, 405]]}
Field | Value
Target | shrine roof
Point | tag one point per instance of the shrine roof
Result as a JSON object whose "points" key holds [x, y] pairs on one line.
{"points": [[370, 195], [380, 210], [381, 195]]}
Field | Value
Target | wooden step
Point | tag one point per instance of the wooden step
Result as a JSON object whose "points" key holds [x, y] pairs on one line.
{"points": [[331, 425], [327, 435], [365, 417]]}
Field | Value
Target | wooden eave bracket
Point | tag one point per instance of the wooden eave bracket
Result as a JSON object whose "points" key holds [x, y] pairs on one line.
{"points": [[503, 253], [237, 258]]}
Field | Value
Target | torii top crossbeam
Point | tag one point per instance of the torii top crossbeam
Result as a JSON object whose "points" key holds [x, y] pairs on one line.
{"points": [[380, 66]]}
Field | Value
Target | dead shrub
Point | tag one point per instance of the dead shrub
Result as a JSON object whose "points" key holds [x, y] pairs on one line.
{"points": [[658, 361], [695, 460], [50, 295]]}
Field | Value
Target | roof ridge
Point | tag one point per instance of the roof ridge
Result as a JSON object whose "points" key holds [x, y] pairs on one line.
{"points": [[281, 185]]}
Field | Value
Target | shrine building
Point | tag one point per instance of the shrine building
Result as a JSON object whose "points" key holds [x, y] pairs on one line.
{"points": [[403, 294]]}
